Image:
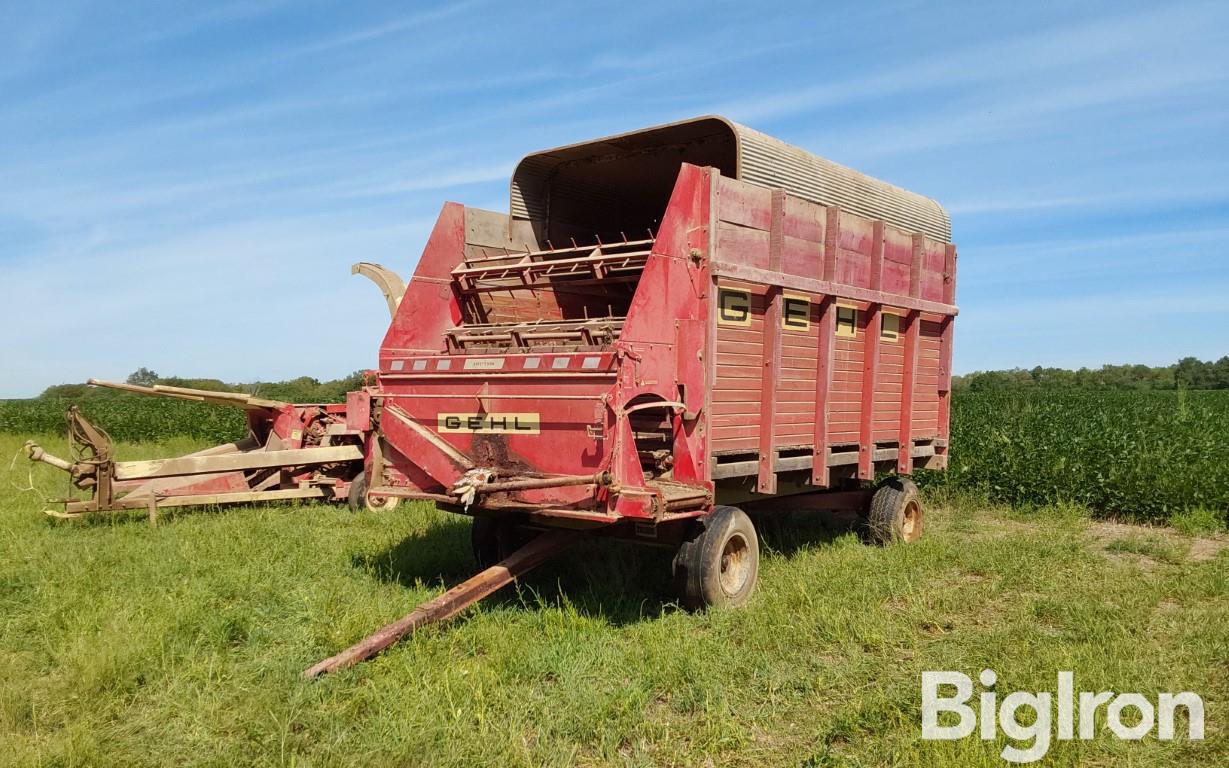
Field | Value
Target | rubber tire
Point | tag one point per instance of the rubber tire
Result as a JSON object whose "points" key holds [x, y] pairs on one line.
{"points": [[493, 539], [358, 500], [698, 563], [895, 514]]}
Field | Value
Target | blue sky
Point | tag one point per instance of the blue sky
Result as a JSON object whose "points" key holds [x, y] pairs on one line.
{"points": [[186, 184]]}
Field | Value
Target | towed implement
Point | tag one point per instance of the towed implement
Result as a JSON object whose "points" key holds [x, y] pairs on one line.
{"points": [[670, 328], [290, 452]]}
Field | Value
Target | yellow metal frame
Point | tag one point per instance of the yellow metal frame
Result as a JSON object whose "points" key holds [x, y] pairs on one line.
{"points": [[846, 321], [890, 329], [793, 321], [744, 295]]}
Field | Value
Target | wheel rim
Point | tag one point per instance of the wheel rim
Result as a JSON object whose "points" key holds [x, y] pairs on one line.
{"points": [[735, 564], [911, 524], [381, 503]]}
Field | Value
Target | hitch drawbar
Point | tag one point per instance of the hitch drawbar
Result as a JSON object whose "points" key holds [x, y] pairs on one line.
{"points": [[452, 602]]}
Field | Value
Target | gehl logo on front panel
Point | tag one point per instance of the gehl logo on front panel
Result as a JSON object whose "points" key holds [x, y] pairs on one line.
{"points": [[490, 423]]}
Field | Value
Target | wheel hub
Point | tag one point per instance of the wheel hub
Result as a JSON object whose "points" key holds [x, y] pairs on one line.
{"points": [[735, 564], [910, 525]]}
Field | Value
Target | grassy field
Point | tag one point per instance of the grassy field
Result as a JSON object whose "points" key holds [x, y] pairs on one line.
{"points": [[122, 644]]}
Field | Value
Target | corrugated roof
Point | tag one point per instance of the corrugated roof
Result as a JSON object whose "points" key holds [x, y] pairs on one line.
{"points": [[757, 159]]}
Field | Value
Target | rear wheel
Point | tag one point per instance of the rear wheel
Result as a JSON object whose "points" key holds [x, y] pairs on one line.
{"points": [[359, 500], [895, 513], [719, 565]]}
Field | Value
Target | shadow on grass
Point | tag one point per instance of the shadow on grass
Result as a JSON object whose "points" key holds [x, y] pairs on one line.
{"points": [[619, 581], [787, 533]]}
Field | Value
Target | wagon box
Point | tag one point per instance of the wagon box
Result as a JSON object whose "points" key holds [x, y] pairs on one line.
{"points": [[666, 323]]}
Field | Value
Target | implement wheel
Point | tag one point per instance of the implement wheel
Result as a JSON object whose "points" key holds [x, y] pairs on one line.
{"points": [[895, 513], [359, 499], [718, 566], [493, 539]]}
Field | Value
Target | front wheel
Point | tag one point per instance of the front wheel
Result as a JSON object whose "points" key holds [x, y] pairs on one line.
{"points": [[719, 565]]}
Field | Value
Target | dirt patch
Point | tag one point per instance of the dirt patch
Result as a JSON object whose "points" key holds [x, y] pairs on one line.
{"points": [[1142, 562], [1106, 534], [1103, 532], [1203, 550]]}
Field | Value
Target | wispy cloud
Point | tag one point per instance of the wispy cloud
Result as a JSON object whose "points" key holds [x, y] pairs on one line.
{"points": [[398, 26], [1050, 52], [1048, 201]]}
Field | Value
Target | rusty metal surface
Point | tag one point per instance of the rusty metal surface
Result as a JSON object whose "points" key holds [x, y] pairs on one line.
{"points": [[232, 399], [388, 281]]}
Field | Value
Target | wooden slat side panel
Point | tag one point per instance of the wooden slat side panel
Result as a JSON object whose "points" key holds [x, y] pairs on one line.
{"points": [[743, 205], [853, 256], [820, 393], [926, 387], [795, 411], [738, 386]]}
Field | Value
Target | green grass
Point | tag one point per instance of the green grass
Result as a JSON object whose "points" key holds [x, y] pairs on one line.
{"points": [[122, 644]]}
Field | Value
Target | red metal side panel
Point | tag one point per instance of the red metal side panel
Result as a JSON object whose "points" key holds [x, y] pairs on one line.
{"points": [[429, 306], [750, 244]]}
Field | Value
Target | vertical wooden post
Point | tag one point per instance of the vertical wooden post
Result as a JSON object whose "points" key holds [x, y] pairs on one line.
{"points": [[870, 374], [823, 385], [912, 331], [870, 362], [832, 241], [826, 348], [770, 362], [945, 355], [904, 441], [709, 206]]}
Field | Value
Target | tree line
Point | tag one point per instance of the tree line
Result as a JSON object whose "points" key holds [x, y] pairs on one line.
{"points": [[1187, 373], [304, 389]]}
